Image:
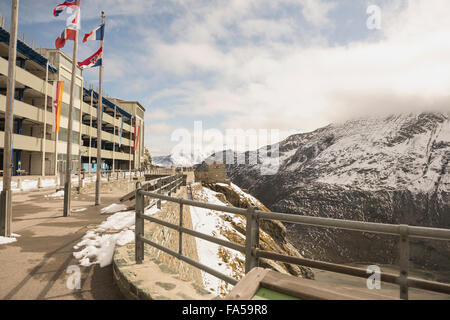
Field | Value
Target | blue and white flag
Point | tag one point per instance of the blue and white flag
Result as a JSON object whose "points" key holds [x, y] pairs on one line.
{"points": [[121, 129]]}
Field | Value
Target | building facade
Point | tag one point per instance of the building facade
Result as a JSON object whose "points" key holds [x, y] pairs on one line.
{"points": [[37, 150]]}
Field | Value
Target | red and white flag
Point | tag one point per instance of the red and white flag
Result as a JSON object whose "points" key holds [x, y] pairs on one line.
{"points": [[67, 34], [136, 136], [93, 61], [63, 6], [73, 10], [72, 22]]}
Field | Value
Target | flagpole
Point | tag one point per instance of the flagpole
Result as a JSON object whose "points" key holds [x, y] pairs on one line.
{"points": [[90, 127], [99, 126], [68, 178], [5, 199], [44, 138]]}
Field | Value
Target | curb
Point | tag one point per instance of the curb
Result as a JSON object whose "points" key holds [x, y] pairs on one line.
{"points": [[125, 285]]}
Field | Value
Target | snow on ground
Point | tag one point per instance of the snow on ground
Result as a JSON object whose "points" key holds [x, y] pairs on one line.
{"points": [[97, 245], [151, 211], [79, 210], [47, 183], [29, 185], [6, 240], [32, 184], [113, 208], [214, 223], [57, 194]]}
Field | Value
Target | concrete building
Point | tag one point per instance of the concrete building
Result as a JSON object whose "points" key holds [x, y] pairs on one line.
{"points": [[37, 150]]}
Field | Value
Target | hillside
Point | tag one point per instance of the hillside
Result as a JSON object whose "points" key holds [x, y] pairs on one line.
{"points": [[231, 227], [390, 169]]}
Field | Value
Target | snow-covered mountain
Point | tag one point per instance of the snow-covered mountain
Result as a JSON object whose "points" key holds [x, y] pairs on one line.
{"points": [[180, 159], [392, 169]]}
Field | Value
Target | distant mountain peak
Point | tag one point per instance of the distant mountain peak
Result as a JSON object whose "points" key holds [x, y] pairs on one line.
{"points": [[409, 151], [180, 159]]}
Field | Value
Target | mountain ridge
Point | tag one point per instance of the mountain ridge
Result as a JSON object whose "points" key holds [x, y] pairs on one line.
{"points": [[392, 169]]}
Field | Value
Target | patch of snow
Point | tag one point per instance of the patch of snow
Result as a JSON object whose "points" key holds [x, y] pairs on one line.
{"points": [[151, 211], [245, 195], [46, 183], [57, 194], [98, 244], [29, 185], [79, 210], [212, 223], [6, 240], [113, 208]]}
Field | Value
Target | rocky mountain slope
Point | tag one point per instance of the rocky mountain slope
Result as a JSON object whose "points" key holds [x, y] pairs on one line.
{"points": [[393, 169], [231, 227]]}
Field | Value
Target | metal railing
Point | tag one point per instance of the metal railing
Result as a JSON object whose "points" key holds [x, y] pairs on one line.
{"points": [[253, 252], [156, 185]]}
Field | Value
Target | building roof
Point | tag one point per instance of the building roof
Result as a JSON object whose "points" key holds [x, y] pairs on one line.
{"points": [[106, 102], [129, 101], [27, 51]]}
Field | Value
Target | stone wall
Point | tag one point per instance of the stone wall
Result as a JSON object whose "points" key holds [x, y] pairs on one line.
{"points": [[212, 173], [169, 238]]}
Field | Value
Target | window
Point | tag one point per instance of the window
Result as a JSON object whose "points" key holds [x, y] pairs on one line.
{"points": [[76, 89], [68, 64], [62, 136], [65, 112]]}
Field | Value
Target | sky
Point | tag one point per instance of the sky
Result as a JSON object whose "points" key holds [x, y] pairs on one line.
{"points": [[290, 65]]}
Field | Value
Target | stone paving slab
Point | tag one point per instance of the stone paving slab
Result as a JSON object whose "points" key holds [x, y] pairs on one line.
{"points": [[152, 280]]}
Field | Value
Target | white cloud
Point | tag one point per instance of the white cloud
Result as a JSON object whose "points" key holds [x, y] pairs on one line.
{"points": [[297, 85], [157, 114], [317, 11], [257, 64], [160, 128]]}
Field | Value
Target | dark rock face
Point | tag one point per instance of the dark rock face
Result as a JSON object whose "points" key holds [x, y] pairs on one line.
{"points": [[389, 170]]}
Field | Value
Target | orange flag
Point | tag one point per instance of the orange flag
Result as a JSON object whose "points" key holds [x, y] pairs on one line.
{"points": [[58, 87]]}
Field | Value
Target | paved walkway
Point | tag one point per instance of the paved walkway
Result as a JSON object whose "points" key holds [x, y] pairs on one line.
{"points": [[35, 267]]}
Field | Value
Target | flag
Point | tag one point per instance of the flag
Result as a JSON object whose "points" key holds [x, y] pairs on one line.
{"points": [[58, 87], [63, 6], [136, 136], [121, 129], [67, 34], [96, 34], [93, 61], [71, 7]]}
